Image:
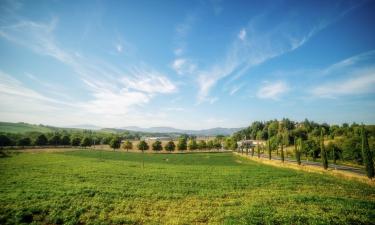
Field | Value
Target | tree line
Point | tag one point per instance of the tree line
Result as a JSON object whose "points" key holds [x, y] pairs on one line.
{"points": [[354, 143]]}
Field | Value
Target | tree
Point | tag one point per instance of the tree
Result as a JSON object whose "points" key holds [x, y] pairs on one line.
{"points": [[323, 152], [24, 141], [210, 144], [182, 145], [156, 146], [85, 142], [41, 140], [298, 151], [76, 141], [4, 140], [202, 145], [54, 140], [143, 146], [367, 155], [115, 143], [170, 146], [127, 145], [65, 140], [258, 150], [269, 149], [193, 145]]}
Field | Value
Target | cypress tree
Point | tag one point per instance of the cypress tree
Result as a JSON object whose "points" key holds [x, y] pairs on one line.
{"points": [[323, 152], [282, 151], [258, 150], [298, 151], [367, 156], [269, 149]]}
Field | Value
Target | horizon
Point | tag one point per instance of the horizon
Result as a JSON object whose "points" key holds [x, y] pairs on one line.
{"points": [[186, 65]]}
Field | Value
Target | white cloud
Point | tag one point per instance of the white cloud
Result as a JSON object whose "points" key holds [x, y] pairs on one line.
{"points": [[255, 45], [115, 93], [119, 48], [272, 90], [183, 66], [242, 34], [359, 82]]}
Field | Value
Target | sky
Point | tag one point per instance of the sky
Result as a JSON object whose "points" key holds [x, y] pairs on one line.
{"points": [[186, 64]]}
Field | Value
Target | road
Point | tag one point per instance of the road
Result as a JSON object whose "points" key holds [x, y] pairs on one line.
{"points": [[316, 164]]}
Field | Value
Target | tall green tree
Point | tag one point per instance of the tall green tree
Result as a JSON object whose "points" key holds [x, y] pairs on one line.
{"points": [[4, 141], [367, 155], [182, 145], [127, 145], [41, 140], [170, 146], [85, 142], [26, 141], [65, 140], [269, 149], [76, 141], [193, 145], [202, 145], [298, 151], [323, 152], [143, 146], [156, 146], [115, 143]]}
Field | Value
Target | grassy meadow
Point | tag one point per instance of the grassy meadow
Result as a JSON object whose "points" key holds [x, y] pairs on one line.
{"points": [[101, 187]]}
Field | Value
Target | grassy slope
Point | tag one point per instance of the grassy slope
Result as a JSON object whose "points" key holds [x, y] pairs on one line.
{"points": [[22, 128], [109, 188]]}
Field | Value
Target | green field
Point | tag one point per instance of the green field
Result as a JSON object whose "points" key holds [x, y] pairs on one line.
{"points": [[98, 187]]}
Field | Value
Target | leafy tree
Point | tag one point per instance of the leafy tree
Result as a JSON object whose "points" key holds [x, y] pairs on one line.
{"points": [[115, 143], [182, 145], [76, 141], [311, 148], [41, 140], [85, 142], [298, 151], [54, 140], [26, 141], [323, 150], [210, 144], [193, 145], [351, 149], [127, 145], [156, 146], [334, 150], [143, 146], [170, 146], [4, 140], [65, 140], [217, 143], [202, 145], [367, 155], [269, 149]]}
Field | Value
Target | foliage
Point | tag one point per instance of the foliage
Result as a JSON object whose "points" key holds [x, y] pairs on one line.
{"points": [[85, 142], [170, 146], [323, 152], [202, 145], [76, 141], [26, 141], [367, 156], [182, 145], [41, 140], [128, 145], [115, 143], [156, 146], [192, 145], [142, 146]]}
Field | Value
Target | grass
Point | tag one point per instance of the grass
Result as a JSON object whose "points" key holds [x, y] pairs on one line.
{"points": [[22, 128], [100, 187]]}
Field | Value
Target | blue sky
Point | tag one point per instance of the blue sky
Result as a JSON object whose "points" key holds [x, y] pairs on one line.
{"points": [[186, 64]]}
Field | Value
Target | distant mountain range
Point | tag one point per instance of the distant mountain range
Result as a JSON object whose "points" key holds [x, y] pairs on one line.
{"points": [[206, 132], [25, 127]]}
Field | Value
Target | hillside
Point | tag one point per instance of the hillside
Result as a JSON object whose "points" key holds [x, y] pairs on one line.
{"points": [[24, 127]]}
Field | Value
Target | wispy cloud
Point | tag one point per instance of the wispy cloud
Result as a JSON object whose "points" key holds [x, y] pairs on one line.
{"points": [[183, 66], [255, 45], [272, 90], [242, 34], [113, 91], [363, 82]]}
